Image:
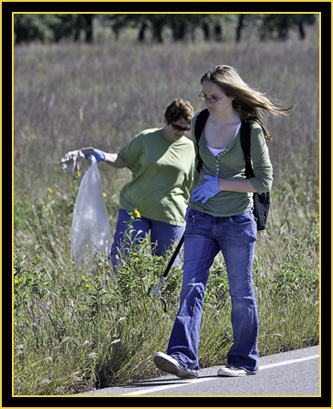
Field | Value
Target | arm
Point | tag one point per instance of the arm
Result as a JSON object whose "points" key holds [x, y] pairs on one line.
{"points": [[262, 182], [214, 185], [114, 160], [234, 185]]}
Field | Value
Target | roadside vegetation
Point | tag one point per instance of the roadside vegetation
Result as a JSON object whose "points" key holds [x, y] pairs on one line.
{"points": [[75, 329]]}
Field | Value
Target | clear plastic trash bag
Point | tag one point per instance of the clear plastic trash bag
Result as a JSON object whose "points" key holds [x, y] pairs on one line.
{"points": [[91, 234]]}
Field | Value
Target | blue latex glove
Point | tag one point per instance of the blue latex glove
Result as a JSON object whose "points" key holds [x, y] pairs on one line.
{"points": [[207, 190], [98, 155]]}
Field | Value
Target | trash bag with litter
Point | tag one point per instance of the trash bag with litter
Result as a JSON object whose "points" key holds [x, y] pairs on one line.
{"points": [[91, 234]]}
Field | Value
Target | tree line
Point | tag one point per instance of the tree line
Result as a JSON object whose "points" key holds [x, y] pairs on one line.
{"points": [[78, 27]]}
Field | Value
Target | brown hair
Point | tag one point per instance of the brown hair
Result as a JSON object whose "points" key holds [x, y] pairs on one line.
{"points": [[178, 108], [250, 103]]}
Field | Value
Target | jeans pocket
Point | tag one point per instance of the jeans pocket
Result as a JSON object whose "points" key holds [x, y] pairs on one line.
{"points": [[242, 219], [245, 225]]}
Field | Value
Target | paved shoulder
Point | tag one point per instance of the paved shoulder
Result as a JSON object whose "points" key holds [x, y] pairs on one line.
{"points": [[293, 373]]}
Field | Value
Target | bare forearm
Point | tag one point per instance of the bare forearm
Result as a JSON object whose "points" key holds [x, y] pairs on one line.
{"points": [[114, 160], [234, 185]]}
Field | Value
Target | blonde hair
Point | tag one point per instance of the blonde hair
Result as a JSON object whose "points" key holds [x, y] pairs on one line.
{"points": [[177, 109], [250, 103]]}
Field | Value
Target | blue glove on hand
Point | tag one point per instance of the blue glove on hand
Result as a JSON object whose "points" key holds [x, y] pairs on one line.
{"points": [[207, 190], [98, 155]]}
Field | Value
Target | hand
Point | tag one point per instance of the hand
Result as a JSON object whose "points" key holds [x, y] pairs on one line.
{"points": [[207, 190], [98, 155]]}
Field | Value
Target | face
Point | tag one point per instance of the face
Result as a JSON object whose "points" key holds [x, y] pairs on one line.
{"points": [[216, 100], [175, 130]]}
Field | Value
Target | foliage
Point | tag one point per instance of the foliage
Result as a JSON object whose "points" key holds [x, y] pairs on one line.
{"points": [[295, 275], [108, 325], [76, 329], [54, 27], [34, 27], [280, 25]]}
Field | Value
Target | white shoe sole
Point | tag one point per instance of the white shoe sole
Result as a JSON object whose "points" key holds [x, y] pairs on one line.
{"points": [[169, 365], [233, 372]]}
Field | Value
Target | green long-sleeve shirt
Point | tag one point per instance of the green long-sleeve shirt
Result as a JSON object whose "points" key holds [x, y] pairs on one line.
{"points": [[230, 164], [162, 176]]}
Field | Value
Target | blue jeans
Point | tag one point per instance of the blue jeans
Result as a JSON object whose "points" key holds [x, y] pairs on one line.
{"points": [[162, 236], [205, 236]]}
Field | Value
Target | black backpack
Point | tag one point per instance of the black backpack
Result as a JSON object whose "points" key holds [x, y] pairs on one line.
{"points": [[261, 201]]}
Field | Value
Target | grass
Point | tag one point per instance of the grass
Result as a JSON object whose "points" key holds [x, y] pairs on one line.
{"points": [[74, 330]]}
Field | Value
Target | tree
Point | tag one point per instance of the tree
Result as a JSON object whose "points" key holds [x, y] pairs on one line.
{"points": [[240, 26], [34, 27], [157, 23], [141, 22], [53, 27], [181, 25], [279, 25], [71, 25], [212, 25]]}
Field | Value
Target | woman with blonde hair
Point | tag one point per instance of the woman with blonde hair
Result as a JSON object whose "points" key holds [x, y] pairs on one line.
{"points": [[220, 217]]}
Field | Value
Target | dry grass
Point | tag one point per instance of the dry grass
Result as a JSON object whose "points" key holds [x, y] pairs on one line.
{"points": [[68, 96]]}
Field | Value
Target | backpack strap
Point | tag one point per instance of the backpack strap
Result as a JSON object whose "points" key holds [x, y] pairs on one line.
{"points": [[245, 137], [199, 126]]}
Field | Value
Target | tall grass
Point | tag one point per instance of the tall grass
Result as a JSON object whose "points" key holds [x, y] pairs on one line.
{"points": [[74, 329]]}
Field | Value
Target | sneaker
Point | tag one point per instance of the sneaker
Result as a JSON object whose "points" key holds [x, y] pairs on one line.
{"points": [[233, 371], [170, 365]]}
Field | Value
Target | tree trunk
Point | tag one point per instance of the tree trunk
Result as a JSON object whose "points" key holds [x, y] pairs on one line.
{"points": [[240, 26], [141, 34], [88, 30], [206, 31], [302, 33]]}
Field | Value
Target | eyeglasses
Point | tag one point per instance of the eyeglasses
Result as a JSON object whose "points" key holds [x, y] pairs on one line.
{"points": [[212, 100], [180, 128]]}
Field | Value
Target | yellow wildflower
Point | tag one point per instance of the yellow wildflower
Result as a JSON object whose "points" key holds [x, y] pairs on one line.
{"points": [[105, 195], [78, 174], [49, 190], [137, 213], [16, 281], [83, 278], [88, 285]]}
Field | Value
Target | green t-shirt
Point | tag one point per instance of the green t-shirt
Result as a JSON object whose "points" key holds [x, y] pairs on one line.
{"points": [[230, 164], [162, 176]]}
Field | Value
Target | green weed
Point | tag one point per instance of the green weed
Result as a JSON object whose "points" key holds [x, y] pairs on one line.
{"points": [[76, 329]]}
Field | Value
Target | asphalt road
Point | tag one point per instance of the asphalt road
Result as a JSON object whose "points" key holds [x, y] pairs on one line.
{"points": [[293, 373]]}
